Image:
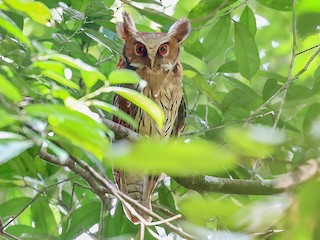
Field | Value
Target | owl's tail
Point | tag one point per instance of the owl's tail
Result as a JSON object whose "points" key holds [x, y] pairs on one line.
{"points": [[139, 188]]}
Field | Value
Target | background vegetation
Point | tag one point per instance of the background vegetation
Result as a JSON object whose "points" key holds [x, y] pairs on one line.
{"points": [[246, 166]]}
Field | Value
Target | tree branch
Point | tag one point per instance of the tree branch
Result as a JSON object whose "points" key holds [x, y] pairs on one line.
{"points": [[280, 184]]}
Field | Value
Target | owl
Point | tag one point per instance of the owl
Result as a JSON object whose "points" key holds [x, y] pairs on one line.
{"points": [[155, 58]]}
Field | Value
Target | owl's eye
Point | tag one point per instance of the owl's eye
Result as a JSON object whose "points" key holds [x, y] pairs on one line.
{"points": [[140, 49], [163, 49]]}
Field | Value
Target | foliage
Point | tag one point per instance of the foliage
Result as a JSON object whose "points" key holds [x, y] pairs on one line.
{"points": [[252, 85]]}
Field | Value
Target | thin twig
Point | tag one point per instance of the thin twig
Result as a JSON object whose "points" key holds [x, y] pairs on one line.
{"points": [[293, 57], [266, 103]]}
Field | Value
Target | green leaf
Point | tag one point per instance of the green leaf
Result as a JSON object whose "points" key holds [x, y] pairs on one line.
{"points": [[123, 76], [82, 219], [13, 206], [248, 20], [246, 51], [101, 39], [174, 158], [311, 123], [6, 118], [60, 79], [10, 26], [200, 210], [282, 5], [141, 101], [229, 67], [96, 9], [36, 10], [9, 90], [43, 217], [12, 148], [74, 126], [89, 74], [165, 197], [255, 140], [216, 39], [205, 7], [114, 111], [271, 87]]}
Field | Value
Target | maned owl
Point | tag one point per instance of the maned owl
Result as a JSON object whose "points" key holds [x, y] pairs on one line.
{"points": [[155, 57]]}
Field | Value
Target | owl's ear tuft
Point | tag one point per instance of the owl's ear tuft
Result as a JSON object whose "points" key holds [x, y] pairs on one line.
{"points": [[127, 28], [180, 29]]}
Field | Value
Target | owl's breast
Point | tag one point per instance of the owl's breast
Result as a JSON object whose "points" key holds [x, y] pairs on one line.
{"points": [[165, 89]]}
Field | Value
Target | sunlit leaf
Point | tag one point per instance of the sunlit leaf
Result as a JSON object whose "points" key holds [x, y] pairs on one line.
{"points": [[36, 10], [89, 74], [141, 101], [9, 90], [76, 127], [123, 76], [60, 79], [246, 51], [6, 118], [7, 24], [173, 158], [101, 39], [256, 140], [200, 210], [115, 111], [12, 148]]}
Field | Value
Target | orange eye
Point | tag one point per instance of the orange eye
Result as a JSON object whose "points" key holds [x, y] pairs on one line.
{"points": [[163, 49], [140, 49]]}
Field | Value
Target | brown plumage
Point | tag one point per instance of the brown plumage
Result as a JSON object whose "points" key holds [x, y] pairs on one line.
{"points": [[155, 57]]}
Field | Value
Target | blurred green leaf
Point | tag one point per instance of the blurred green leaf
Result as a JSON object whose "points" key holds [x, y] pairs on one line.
{"points": [[246, 51], [36, 10], [89, 74], [60, 79], [141, 101], [215, 44], [12, 148], [9, 90], [10, 26], [6, 118], [101, 39], [115, 111], [200, 210], [174, 158], [123, 76], [165, 197], [76, 127], [256, 140]]}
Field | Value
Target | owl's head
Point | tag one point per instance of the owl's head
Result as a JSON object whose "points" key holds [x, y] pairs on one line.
{"points": [[152, 50]]}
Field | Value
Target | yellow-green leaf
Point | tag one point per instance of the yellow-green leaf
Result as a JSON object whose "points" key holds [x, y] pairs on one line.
{"points": [[141, 101]]}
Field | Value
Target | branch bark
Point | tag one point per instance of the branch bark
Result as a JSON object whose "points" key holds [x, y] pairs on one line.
{"points": [[279, 184]]}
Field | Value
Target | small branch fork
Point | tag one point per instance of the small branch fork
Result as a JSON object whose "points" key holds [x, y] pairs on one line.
{"points": [[290, 78], [103, 187]]}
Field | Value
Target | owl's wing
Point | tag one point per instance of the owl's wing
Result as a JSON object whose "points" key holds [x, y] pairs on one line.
{"points": [[180, 121], [122, 103]]}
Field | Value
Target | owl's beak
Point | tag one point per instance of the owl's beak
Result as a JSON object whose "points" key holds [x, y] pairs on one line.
{"points": [[151, 55]]}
